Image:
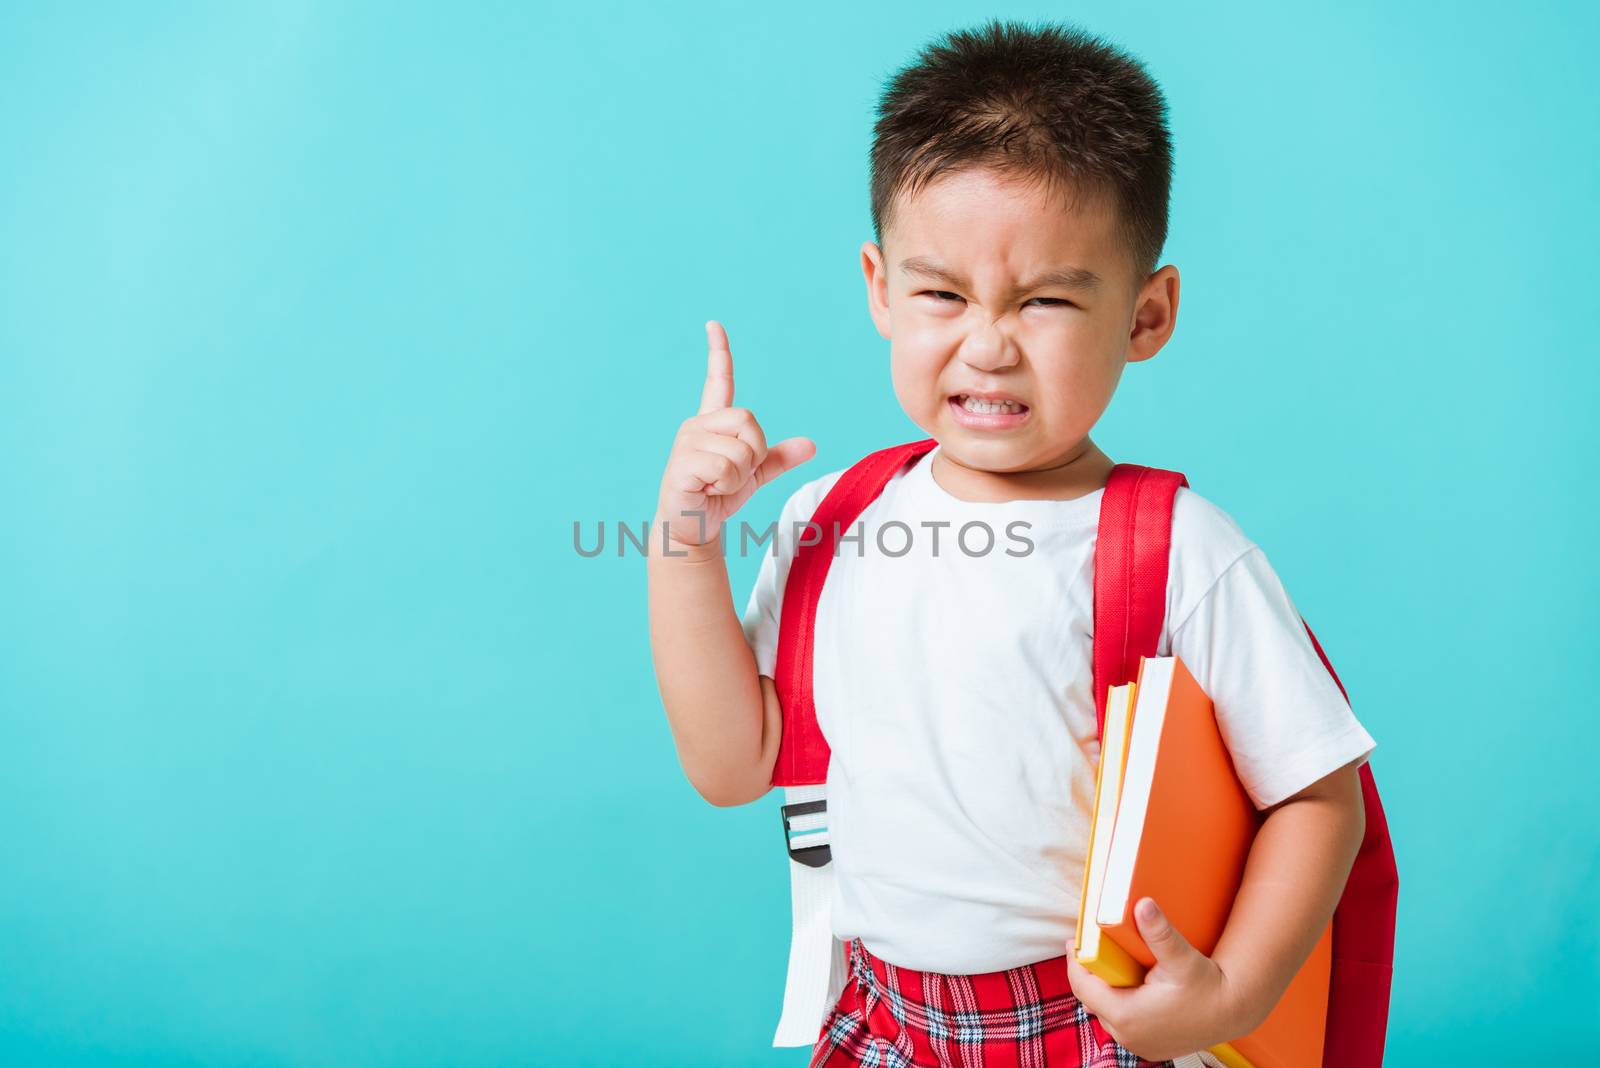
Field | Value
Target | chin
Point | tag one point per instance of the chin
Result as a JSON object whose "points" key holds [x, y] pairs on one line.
{"points": [[984, 453]]}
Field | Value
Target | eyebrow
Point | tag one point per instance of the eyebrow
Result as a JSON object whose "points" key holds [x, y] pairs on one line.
{"points": [[1065, 277]]}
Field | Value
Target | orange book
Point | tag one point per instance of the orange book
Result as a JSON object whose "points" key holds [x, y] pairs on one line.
{"points": [[1182, 832]]}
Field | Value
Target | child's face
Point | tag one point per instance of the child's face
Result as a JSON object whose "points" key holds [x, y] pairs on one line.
{"points": [[953, 305]]}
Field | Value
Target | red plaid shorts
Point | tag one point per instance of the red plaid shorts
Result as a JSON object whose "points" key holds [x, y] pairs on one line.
{"points": [[1024, 1017]]}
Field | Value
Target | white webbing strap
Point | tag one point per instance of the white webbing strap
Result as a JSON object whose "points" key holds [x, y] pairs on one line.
{"points": [[818, 966], [1203, 1059]]}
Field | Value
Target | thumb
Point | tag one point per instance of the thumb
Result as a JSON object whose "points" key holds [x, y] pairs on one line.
{"points": [[1166, 942], [785, 456]]}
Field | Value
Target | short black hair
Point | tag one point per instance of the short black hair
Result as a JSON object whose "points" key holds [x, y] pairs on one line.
{"points": [[1046, 102]]}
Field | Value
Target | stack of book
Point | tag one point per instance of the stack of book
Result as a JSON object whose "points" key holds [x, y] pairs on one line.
{"points": [[1172, 822]]}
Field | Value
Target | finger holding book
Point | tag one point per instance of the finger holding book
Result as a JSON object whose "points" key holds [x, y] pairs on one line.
{"points": [[1183, 1005]]}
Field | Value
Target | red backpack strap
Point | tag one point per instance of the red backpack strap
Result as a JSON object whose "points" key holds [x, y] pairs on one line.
{"points": [[1130, 574], [802, 751], [1363, 932]]}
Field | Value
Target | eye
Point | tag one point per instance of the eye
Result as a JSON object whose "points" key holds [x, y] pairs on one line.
{"points": [[944, 296]]}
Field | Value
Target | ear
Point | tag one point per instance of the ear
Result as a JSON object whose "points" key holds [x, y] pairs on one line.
{"points": [[873, 270], [1155, 314]]}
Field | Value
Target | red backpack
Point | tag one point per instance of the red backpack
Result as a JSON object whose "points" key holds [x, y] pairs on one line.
{"points": [[1130, 587]]}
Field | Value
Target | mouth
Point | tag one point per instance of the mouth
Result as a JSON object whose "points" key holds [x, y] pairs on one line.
{"points": [[988, 411]]}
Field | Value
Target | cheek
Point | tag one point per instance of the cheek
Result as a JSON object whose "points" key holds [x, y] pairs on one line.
{"points": [[915, 373], [921, 324], [1074, 379], [909, 378], [919, 358]]}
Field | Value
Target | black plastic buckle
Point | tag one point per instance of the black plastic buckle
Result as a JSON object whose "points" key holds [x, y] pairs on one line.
{"points": [[811, 856]]}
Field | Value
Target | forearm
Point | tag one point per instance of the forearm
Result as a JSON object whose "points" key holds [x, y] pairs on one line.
{"points": [[1293, 879], [704, 669]]}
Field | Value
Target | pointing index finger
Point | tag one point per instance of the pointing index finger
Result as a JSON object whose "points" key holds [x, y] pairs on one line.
{"points": [[718, 392]]}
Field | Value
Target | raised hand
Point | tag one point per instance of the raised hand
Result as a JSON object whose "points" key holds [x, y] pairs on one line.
{"points": [[720, 455]]}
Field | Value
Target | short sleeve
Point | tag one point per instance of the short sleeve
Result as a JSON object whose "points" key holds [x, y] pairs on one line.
{"points": [[762, 610], [1279, 709]]}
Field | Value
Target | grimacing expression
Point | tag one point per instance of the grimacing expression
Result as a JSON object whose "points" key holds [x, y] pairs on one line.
{"points": [[1007, 288]]}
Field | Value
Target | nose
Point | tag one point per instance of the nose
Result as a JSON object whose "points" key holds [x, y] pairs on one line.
{"points": [[987, 348]]}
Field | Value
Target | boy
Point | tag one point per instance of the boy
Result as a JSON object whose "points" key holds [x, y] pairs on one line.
{"points": [[1020, 182]]}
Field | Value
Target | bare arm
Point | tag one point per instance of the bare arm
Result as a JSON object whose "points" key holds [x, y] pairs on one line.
{"points": [[1293, 880], [725, 718]]}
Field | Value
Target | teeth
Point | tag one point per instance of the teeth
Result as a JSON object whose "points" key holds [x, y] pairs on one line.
{"points": [[983, 407]]}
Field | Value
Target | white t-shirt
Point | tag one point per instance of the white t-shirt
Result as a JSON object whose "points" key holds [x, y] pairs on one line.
{"points": [[954, 690]]}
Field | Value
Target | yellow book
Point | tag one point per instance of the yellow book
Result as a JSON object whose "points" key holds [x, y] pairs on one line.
{"points": [[1102, 956]]}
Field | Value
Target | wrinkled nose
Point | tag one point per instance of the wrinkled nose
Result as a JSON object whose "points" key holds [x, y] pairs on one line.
{"points": [[987, 348]]}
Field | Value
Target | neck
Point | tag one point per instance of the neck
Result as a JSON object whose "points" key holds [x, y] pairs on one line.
{"points": [[1080, 471]]}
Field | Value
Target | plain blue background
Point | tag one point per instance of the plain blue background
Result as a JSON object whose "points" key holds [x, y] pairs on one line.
{"points": [[320, 325]]}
